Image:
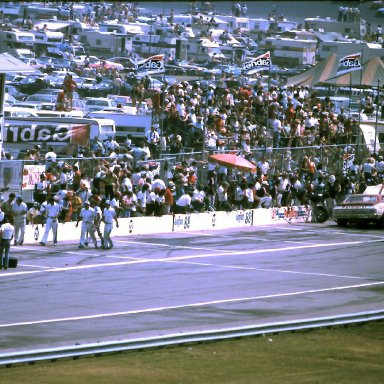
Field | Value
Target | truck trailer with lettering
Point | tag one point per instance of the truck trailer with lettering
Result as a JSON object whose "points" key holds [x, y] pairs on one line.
{"points": [[64, 134]]}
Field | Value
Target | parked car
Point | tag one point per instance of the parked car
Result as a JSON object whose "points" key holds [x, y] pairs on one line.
{"points": [[32, 83], [40, 98], [46, 62], [56, 78], [10, 99], [55, 92], [99, 103], [89, 87], [12, 90], [10, 112], [173, 69], [127, 63], [60, 64]]}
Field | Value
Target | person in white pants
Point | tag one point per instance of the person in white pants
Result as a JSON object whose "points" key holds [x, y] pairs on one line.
{"points": [[109, 214], [87, 215], [51, 211], [19, 212]]}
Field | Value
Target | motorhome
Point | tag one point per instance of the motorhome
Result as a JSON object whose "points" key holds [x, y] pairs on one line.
{"points": [[45, 39], [100, 42], [11, 39]]}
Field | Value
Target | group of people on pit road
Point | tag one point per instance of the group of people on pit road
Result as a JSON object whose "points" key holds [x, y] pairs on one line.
{"points": [[14, 214], [91, 216]]}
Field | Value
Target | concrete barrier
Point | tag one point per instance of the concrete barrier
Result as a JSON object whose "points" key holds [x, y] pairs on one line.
{"points": [[180, 223]]}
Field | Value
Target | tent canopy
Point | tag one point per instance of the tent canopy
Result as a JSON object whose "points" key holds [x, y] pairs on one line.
{"points": [[317, 74], [325, 73], [8, 63], [371, 75]]}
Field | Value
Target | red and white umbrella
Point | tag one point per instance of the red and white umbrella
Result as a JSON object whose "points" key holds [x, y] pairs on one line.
{"points": [[232, 160]]}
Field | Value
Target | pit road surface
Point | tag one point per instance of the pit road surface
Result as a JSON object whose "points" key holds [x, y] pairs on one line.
{"points": [[183, 282]]}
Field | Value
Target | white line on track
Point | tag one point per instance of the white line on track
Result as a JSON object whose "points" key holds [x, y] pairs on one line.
{"points": [[190, 257], [35, 266], [268, 270], [200, 304], [173, 246]]}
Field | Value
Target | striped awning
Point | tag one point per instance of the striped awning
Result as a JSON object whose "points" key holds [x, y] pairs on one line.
{"points": [[371, 75]]}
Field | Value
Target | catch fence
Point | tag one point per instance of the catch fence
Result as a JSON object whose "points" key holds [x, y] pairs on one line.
{"points": [[19, 176]]}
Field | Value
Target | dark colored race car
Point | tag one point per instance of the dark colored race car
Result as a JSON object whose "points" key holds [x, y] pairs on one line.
{"points": [[364, 208]]}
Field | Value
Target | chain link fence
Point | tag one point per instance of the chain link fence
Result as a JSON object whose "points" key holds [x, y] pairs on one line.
{"points": [[19, 176]]}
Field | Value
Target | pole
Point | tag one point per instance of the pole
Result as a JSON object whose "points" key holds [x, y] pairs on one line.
{"points": [[377, 112], [2, 98], [359, 120]]}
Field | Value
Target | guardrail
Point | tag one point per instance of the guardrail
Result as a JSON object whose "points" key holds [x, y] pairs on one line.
{"points": [[53, 354]]}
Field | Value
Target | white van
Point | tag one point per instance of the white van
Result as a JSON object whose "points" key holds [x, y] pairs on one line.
{"points": [[127, 121]]}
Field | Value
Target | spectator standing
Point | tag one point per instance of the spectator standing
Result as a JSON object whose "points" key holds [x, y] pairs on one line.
{"points": [[41, 190], [169, 198], [7, 232], [153, 139], [128, 204], [19, 212], [69, 86], [222, 197]]}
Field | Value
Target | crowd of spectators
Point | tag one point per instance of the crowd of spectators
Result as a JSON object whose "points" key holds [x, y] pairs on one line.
{"points": [[226, 113]]}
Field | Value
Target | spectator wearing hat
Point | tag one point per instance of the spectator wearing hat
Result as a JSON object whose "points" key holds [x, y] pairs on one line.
{"points": [[19, 213], [169, 194], [87, 216], [7, 232], [51, 212], [109, 215]]}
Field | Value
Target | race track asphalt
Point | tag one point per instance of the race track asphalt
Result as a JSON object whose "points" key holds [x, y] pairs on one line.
{"points": [[182, 282]]}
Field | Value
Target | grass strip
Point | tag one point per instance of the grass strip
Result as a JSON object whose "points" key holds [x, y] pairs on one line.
{"points": [[353, 354]]}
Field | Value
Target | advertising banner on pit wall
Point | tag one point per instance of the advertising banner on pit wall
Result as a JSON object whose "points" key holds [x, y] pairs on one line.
{"points": [[31, 175], [212, 220]]}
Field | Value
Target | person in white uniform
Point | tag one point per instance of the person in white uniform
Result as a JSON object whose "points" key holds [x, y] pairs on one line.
{"points": [[87, 215], [51, 211], [7, 232], [19, 213], [109, 214]]}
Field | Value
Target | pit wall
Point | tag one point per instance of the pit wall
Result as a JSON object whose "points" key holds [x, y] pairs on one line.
{"points": [[180, 223]]}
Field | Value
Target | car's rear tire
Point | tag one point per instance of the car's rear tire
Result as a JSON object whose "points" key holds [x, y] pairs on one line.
{"points": [[380, 223], [321, 214], [342, 222]]}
